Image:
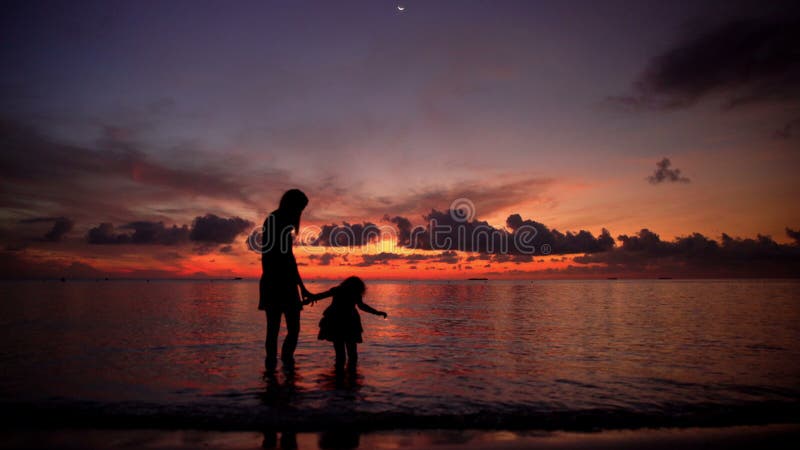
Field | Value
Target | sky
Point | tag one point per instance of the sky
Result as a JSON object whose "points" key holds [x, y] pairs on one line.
{"points": [[637, 138]]}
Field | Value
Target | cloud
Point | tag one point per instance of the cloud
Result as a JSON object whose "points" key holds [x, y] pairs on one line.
{"points": [[212, 228], [446, 230], [61, 226], [378, 259], [347, 235], [208, 229], [447, 257], [403, 228], [664, 173], [696, 255], [744, 61], [104, 234], [324, 259], [450, 230], [143, 233], [794, 234], [384, 258]]}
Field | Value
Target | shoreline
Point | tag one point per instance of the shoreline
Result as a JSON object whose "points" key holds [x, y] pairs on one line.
{"points": [[777, 436]]}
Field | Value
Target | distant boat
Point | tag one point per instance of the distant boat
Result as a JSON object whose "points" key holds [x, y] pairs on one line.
{"points": [[664, 278], [477, 279], [237, 278], [611, 278]]}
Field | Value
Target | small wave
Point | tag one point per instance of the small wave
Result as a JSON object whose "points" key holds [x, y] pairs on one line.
{"points": [[577, 383]]}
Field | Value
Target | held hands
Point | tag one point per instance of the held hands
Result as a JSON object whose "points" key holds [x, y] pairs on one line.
{"points": [[308, 297]]}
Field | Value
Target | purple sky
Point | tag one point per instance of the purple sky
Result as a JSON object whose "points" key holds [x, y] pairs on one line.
{"points": [[559, 111]]}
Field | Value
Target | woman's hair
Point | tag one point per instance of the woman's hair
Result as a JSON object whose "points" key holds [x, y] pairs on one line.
{"points": [[353, 285], [292, 204]]}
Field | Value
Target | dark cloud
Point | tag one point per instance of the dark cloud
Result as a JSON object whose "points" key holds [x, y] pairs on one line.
{"points": [[403, 228], [208, 229], [105, 234], [156, 233], [743, 60], [61, 226], [378, 259], [384, 258], [212, 228], [447, 257], [665, 173], [140, 233], [561, 243], [794, 234], [697, 256], [449, 231], [347, 235], [324, 259]]}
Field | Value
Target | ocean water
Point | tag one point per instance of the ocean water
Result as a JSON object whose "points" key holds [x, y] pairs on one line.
{"points": [[524, 355]]}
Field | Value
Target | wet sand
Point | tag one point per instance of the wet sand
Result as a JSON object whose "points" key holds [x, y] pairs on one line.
{"points": [[764, 436]]}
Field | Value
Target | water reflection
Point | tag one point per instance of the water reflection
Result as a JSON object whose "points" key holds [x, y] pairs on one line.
{"points": [[446, 348], [288, 440], [339, 439], [280, 389], [342, 381]]}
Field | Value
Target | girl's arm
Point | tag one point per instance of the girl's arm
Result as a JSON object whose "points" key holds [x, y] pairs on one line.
{"points": [[313, 298], [365, 307]]}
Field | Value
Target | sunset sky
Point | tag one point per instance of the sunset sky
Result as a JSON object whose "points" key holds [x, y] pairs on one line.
{"points": [[148, 139]]}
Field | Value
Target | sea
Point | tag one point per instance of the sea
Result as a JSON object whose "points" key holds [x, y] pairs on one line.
{"points": [[519, 355]]}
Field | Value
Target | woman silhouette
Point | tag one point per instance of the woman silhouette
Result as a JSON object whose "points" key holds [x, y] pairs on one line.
{"points": [[279, 277]]}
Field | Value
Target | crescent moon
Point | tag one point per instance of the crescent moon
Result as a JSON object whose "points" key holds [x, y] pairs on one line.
{"points": [[401, 8]]}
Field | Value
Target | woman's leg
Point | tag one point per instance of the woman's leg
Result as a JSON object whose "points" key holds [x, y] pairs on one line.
{"points": [[338, 347], [292, 315], [352, 355], [271, 343]]}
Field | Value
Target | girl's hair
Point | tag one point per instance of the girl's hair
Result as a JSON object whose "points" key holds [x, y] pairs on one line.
{"points": [[353, 285], [292, 204]]}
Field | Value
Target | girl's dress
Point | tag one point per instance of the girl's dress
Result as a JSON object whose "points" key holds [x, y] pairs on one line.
{"points": [[341, 321]]}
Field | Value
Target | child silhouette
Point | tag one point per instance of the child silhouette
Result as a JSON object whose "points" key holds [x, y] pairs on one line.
{"points": [[341, 323]]}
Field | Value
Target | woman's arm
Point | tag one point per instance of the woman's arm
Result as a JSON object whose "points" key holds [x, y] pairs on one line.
{"points": [[366, 308]]}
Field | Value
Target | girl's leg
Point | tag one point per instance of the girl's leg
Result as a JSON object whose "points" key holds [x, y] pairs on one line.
{"points": [[338, 346], [352, 355]]}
